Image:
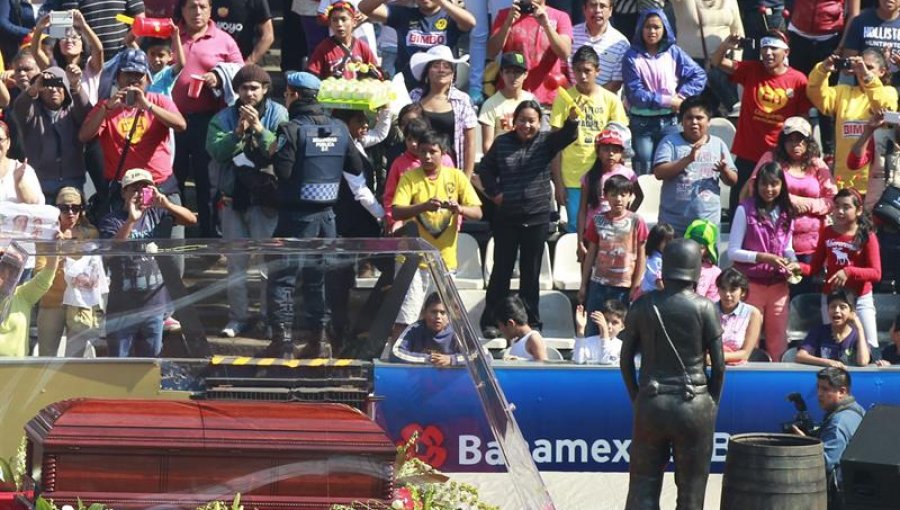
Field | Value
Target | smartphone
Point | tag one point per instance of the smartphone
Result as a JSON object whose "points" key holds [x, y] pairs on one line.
{"points": [[147, 196], [747, 43], [60, 23], [843, 64], [892, 118], [130, 99]]}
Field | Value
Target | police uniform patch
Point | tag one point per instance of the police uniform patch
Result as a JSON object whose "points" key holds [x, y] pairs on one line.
{"points": [[280, 142]]}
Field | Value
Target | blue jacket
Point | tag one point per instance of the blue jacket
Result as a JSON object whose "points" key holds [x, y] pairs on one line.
{"points": [[837, 431], [650, 81]]}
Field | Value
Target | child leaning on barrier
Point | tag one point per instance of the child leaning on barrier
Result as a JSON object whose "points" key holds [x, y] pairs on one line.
{"points": [[430, 339], [604, 348]]}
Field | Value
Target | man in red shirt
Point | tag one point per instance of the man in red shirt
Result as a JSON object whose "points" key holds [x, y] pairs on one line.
{"points": [[542, 34], [332, 56], [773, 91]]}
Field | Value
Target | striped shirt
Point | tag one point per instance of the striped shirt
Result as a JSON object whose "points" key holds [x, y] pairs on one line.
{"points": [[611, 45], [101, 17]]}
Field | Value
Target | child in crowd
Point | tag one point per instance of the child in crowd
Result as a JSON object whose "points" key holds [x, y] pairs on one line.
{"points": [[690, 164], [741, 323], [413, 131], [599, 107], [395, 145], [434, 196], [342, 55], [871, 150], [364, 29], [841, 343], [72, 304], [524, 343], [614, 265], [610, 147], [166, 60], [497, 112], [430, 339], [760, 246], [657, 76], [659, 237], [706, 234], [890, 355], [848, 250], [851, 106], [602, 349]]}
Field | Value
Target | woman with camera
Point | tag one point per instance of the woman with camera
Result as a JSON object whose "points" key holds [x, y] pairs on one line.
{"points": [[79, 48]]}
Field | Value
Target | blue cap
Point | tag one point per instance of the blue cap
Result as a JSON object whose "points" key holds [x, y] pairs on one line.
{"points": [[133, 61], [302, 80]]}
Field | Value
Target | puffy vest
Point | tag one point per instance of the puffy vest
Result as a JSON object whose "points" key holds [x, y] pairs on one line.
{"points": [[319, 164], [764, 236], [819, 17]]}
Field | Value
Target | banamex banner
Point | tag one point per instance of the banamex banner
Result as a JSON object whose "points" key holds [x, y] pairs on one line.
{"points": [[578, 418]]}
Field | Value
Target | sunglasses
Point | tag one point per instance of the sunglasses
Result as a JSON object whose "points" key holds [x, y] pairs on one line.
{"points": [[73, 208]]}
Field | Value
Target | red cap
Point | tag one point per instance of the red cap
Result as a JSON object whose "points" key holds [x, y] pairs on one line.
{"points": [[609, 137]]}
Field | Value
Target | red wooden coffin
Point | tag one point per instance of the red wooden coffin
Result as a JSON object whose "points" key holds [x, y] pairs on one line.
{"points": [[131, 454]]}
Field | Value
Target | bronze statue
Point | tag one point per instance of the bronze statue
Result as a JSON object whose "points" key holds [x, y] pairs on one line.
{"points": [[675, 403]]}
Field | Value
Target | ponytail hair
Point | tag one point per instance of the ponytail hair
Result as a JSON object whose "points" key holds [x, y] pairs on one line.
{"points": [[865, 225]]}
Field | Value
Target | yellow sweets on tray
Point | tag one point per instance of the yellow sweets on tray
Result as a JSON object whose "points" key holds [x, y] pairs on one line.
{"points": [[364, 94]]}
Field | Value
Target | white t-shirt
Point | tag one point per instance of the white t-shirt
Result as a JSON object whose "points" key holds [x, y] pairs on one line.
{"points": [[8, 182], [498, 111], [85, 281], [597, 351]]}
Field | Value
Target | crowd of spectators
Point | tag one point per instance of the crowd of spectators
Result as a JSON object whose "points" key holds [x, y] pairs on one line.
{"points": [[583, 99]]}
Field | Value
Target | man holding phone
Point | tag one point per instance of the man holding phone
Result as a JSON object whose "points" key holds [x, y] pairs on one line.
{"points": [[138, 119]]}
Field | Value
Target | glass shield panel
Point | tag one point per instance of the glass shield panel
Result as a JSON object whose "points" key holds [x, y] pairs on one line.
{"points": [[161, 372]]}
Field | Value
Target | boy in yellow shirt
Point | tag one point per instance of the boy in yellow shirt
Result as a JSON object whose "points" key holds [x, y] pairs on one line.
{"points": [[851, 106], [434, 197], [600, 107]]}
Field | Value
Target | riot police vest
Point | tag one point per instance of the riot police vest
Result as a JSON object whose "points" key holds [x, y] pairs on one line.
{"points": [[319, 166]]}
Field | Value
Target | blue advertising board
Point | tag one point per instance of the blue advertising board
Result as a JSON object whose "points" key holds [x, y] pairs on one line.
{"points": [[578, 418]]}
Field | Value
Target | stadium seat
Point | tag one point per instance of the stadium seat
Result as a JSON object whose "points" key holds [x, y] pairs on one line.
{"points": [[552, 354], [789, 355], [887, 306], [473, 301], [546, 279], [558, 319], [566, 269], [760, 356], [468, 257], [649, 209], [805, 314], [724, 129]]}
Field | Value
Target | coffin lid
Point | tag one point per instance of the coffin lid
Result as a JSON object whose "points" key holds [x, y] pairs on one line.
{"points": [[80, 423]]}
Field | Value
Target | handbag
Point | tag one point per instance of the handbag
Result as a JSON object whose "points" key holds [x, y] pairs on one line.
{"points": [[887, 209]]}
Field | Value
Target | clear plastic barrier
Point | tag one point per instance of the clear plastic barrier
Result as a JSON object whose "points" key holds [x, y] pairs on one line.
{"points": [[220, 342]]}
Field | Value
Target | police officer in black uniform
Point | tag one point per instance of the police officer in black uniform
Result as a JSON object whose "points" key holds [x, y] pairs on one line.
{"points": [[675, 402], [312, 154]]}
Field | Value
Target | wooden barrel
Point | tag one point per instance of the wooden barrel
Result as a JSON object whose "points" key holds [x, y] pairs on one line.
{"points": [[774, 472]]}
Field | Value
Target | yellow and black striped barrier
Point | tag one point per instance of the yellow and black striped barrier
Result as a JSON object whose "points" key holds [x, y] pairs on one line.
{"points": [[246, 361]]}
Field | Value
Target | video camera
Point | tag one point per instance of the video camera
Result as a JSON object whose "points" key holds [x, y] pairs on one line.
{"points": [[802, 419]]}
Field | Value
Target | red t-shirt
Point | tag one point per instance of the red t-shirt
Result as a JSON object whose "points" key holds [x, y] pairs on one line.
{"points": [[528, 38], [151, 147], [329, 59], [836, 252], [767, 101]]}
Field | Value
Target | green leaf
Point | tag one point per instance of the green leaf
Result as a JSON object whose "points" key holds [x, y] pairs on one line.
{"points": [[44, 504], [236, 504]]}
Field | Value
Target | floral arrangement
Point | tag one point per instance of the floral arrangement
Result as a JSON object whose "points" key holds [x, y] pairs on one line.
{"points": [[418, 486]]}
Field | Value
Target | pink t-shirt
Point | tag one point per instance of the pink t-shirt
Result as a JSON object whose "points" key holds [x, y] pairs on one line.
{"points": [[528, 38], [706, 284], [150, 145], [603, 205], [202, 54], [812, 195]]}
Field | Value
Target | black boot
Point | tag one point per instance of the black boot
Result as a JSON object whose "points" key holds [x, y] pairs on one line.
{"points": [[319, 345], [281, 346]]}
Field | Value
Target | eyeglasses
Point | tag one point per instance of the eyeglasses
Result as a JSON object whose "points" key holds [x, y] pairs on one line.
{"points": [[70, 208]]}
